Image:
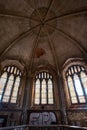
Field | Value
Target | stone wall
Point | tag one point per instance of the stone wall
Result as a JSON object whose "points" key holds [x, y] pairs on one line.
{"points": [[12, 118], [77, 118]]}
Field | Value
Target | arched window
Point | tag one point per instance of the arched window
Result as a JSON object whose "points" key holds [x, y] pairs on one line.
{"points": [[43, 88], [9, 84], [76, 76]]}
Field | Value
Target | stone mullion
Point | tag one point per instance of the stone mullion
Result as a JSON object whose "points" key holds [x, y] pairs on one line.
{"points": [[47, 90], [40, 91]]}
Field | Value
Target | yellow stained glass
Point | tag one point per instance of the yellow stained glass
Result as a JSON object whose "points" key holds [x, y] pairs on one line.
{"points": [[50, 92], [51, 101], [8, 89], [37, 92], [82, 99], [15, 90], [72, 91], [2, 83], [78, 88], [43, 92], [84, 80]]}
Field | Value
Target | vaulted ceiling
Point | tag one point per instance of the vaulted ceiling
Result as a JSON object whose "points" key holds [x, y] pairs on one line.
{"points": [[34, 31]]}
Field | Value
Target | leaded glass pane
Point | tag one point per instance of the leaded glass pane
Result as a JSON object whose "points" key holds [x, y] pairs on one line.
{"points": [[69, 71], [39, 75], [50, 76], [74, 99], [37, 92], [15, 90], [78, 68], [8, 89], [50, 92], [43, 92], [82, 68], [43, 89], [2, 83], [47, 75], [79, 89], [8, 85], [15, 70], [84, 80], [44, 74], [8, 69], [12, 69], [18, 72], [75, 68], [72, 90], [82, 99], [5, 69], [72, 70]]}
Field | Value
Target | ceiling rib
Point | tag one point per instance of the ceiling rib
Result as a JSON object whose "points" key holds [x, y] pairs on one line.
{"points": [[74, 41], [50, 4], [51, 44], [18, 38], [39, 15], [33, 50], [68, 14], [10, 14]]}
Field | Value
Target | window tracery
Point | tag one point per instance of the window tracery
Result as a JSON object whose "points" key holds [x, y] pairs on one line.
{"points": [[76, 77], [43, 88], [9, 84]]}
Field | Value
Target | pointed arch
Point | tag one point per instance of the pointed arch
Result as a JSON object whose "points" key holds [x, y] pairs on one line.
{"points": [[43, 90]]}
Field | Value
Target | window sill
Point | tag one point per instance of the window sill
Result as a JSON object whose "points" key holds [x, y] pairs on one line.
{"points": [[81, 107], [8, 105], [43, 107]]}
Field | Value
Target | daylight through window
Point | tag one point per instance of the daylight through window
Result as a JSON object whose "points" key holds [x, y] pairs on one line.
{"points": [[9, 84], [43, 88], [76, 76]]}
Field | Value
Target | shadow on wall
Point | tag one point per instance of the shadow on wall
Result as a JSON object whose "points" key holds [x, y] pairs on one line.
{"points": [[3, 120]]}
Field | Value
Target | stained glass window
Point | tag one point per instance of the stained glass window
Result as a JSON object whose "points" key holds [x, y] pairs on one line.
{"points": [[9, 84], [43, 92], [43, 88], [8, 89], [15, 90], [3, 80], [37, 91], [72, 90], [76, 76], [50, 91]]}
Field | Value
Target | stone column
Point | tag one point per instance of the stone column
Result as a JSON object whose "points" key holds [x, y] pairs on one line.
{"points": [[62, 100], [26, 99]]}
